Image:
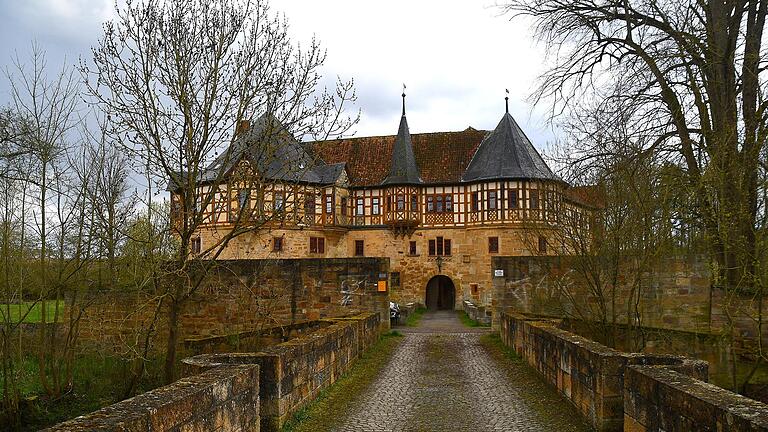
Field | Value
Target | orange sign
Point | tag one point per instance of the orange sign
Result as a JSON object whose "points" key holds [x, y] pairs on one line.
{"points": [[382, 287]]}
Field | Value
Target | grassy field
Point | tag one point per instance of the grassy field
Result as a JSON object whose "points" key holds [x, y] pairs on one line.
{"points": [[332, 404], [35, 310]]}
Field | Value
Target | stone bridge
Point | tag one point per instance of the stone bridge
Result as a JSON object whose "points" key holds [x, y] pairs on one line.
{"points": [[442, 376]]}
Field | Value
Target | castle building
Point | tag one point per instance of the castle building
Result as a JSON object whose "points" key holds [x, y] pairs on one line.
{"points": [[439, 205]]}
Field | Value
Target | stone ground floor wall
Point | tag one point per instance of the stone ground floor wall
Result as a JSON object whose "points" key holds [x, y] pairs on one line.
{"points": [[293, 373], [468, 265], [588, 374], [242, 296], [224, 399]]}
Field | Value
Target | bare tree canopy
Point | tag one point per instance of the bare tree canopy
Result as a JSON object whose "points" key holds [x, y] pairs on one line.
{"points": [[687, 78], [176, 77]]}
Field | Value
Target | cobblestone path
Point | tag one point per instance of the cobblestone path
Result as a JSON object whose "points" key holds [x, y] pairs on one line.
{"points": [[441, 378]]}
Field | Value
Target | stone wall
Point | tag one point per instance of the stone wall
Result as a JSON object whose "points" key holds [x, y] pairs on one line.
{"points": [[675, 295], [480, 314], [660, 399], [588, 374], [241, 296], [293, 373], [468, 266], [224, 399]]}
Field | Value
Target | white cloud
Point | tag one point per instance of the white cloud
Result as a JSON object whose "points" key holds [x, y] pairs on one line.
{"points": [[456, 57]]}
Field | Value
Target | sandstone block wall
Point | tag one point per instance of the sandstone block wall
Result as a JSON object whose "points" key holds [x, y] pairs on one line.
{"points": [[478, 313], [294, 372], [675, 295], [588, 374], [657, 398], [245, 296], [224, 399]]}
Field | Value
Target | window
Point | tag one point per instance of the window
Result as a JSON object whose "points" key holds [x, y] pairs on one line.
{"points": [[491, 200], [475, 201], [412, 247], [360, 210], [473, 288], [439, 247], [493, 245], [317, 245], [277, 244], [533, 196], [512, 198], [309, 203], [243, 198], [359, 248], [414, 202], [542, 245], [279, 201], [376, 206], [400, 202], [440, 203], [197, 245], [395, 279], [343, 206], [329, 204]]}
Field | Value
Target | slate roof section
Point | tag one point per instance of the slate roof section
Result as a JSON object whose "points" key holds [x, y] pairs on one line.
{"points": [[441, 156], [403, 169], [507, 153], [275, 155]]}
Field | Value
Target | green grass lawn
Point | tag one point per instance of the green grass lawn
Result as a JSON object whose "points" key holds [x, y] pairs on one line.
{"points": [[413, 319], [35, 311]]}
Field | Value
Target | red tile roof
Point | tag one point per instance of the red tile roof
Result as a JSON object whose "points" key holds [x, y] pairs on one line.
{"points": [[442, 157]]}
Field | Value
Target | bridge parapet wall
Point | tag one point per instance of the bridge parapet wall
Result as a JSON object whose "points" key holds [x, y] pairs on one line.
{"points": [[222, 399], [590, 375], [293, 373], [660, 398]]}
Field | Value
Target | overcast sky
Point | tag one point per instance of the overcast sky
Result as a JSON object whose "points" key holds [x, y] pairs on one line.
{"points": [[456, 57]]}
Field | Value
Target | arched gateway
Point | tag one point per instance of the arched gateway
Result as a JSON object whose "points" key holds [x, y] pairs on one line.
{"points": [[441, 294]]}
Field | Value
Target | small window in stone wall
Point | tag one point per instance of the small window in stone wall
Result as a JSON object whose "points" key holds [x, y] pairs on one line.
{"points": [[474, 289], [394, 279], [277, 244], [197, 245], [359, 248], [412, 247], [317, 245], [542, 245], [493, 245]]}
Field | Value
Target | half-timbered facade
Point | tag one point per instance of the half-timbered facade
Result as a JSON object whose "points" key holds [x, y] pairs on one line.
{"points": [[438, 205]]}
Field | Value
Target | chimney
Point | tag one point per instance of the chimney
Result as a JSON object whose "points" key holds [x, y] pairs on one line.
{"points": [[242, 126]]}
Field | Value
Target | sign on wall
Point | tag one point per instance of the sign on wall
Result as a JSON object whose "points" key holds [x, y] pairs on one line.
{"points": [[498, 273]]}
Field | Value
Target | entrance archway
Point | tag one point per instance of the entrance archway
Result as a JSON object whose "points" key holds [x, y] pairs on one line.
{"points": [[441, 294]]}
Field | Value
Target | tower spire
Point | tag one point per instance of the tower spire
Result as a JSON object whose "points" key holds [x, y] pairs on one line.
{"points": [[403, 99], [506, 101]]}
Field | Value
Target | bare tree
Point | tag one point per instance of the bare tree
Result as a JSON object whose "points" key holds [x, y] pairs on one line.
{"points": [[689, 78], [176, 77]]}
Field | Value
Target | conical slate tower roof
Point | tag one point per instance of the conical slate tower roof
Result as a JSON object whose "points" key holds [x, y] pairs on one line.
{"points": [[403, 169], [506, 153]]}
